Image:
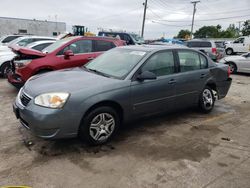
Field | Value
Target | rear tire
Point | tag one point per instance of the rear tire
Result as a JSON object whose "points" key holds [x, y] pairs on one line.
{"points": [[206, 100], [99, 125], [4, 69]]}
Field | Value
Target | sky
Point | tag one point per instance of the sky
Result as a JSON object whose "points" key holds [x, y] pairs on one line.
{"points": [[164, 17]]}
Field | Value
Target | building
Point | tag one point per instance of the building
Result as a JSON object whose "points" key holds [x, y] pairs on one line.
{"points": [[30, 27]]}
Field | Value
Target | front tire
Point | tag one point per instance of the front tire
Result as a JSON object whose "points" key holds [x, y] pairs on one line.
{"points": [[233, 67], [206, 100], [99, 125]]}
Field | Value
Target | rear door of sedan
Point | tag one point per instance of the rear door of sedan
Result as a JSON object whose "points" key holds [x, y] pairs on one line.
{"points": [[192, 76], [154, 96]]}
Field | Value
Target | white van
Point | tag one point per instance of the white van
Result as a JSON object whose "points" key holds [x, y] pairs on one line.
{"points": [[241, 44]]}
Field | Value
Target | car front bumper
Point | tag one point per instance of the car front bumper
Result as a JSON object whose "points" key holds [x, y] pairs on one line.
{"points": [[44, 122], [15, 80]]}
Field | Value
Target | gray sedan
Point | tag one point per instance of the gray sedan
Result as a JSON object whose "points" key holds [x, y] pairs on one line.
{"points": [[121, 85]]}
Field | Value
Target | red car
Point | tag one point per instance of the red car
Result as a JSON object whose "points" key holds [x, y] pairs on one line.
{"points": [[65, 53]]}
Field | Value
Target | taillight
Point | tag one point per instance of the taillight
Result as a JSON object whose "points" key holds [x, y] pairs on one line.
{"points": [[228, 71], [214, 50]]}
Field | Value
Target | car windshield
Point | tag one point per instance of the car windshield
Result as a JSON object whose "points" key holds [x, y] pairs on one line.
{"points": [[137, 38], [116, 63], [16, 41], [56, 45]]}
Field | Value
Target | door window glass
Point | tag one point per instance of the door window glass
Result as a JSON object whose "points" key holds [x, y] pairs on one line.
{"points": [[103, 46], [189, 61], [204, 63], [161, 64], [78, 47]]}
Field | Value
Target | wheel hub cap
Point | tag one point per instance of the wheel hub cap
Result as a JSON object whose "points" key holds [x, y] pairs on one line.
{"points": [[102, 126], [207, 98]]}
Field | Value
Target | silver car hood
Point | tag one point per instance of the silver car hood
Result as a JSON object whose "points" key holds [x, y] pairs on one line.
{"points": [[69, 80]]}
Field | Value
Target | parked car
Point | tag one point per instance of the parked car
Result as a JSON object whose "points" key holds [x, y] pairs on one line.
{"points": [[24, 41], [240, 45], [220, 50], [205, 46], [65, 53], [40, 45], [7, 56], [240, 63], [123, 84], [5, 40], [130, 38]]}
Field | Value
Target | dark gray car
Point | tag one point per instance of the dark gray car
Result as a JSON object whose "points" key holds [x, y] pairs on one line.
{"points": [[122, 84]]}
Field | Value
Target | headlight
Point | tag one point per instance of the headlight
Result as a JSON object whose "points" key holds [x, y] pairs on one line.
{"points": [[22, 63], [52, 100]]}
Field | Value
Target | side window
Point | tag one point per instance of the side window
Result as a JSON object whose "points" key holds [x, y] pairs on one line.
{"points": [[161, 64], [203, 60], [103, 45], [78, 47], [189, 61], [128, 39], [206, 44], [193, 44]]}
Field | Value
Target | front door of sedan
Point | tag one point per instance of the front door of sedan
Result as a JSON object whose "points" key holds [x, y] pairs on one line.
{"points": [[154, 96], [82, 53], [192, 77], [243, 64]]}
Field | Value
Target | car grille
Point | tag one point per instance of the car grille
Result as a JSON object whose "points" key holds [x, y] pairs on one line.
{"points": [[24, 99]]}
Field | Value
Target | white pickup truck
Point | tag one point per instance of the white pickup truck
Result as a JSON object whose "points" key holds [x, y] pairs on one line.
{"points": [[240, 45]]}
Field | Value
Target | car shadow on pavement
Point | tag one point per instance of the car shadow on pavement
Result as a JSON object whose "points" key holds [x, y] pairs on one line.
{"points": [[140, 138]]}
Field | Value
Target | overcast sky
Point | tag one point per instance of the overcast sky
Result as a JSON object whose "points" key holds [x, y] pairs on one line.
{"points": [[163, 16]]}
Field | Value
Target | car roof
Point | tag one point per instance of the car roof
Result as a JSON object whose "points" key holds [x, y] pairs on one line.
{"points": [[93, 37], [199, 40], [150, 48], [42, 37]]}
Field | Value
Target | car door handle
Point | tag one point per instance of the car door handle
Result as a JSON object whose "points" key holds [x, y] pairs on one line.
{"points": [[90, 58], [172, 81], [203, 76]]}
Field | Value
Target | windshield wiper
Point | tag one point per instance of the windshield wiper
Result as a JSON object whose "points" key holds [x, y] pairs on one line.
{"points": [[97, 72]]}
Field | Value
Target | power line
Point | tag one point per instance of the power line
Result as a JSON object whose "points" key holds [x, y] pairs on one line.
{"points": [[213, 19]]}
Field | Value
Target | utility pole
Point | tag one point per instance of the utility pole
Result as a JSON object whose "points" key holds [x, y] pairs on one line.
{"points": [[144, 17], [239, 27], [192, 27]]}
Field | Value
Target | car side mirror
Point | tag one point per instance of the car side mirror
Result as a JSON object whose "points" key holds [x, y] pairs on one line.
{"points": [[146, 75], [68, 53]]}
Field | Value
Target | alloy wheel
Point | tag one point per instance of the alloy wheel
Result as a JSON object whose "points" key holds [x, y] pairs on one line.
{"points": [[102, 126], [207, 99]]}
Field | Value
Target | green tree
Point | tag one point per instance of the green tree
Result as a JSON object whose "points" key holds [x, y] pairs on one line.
{"points": [[230, 32], [183, 34], [246, 28], [208, 32]]}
